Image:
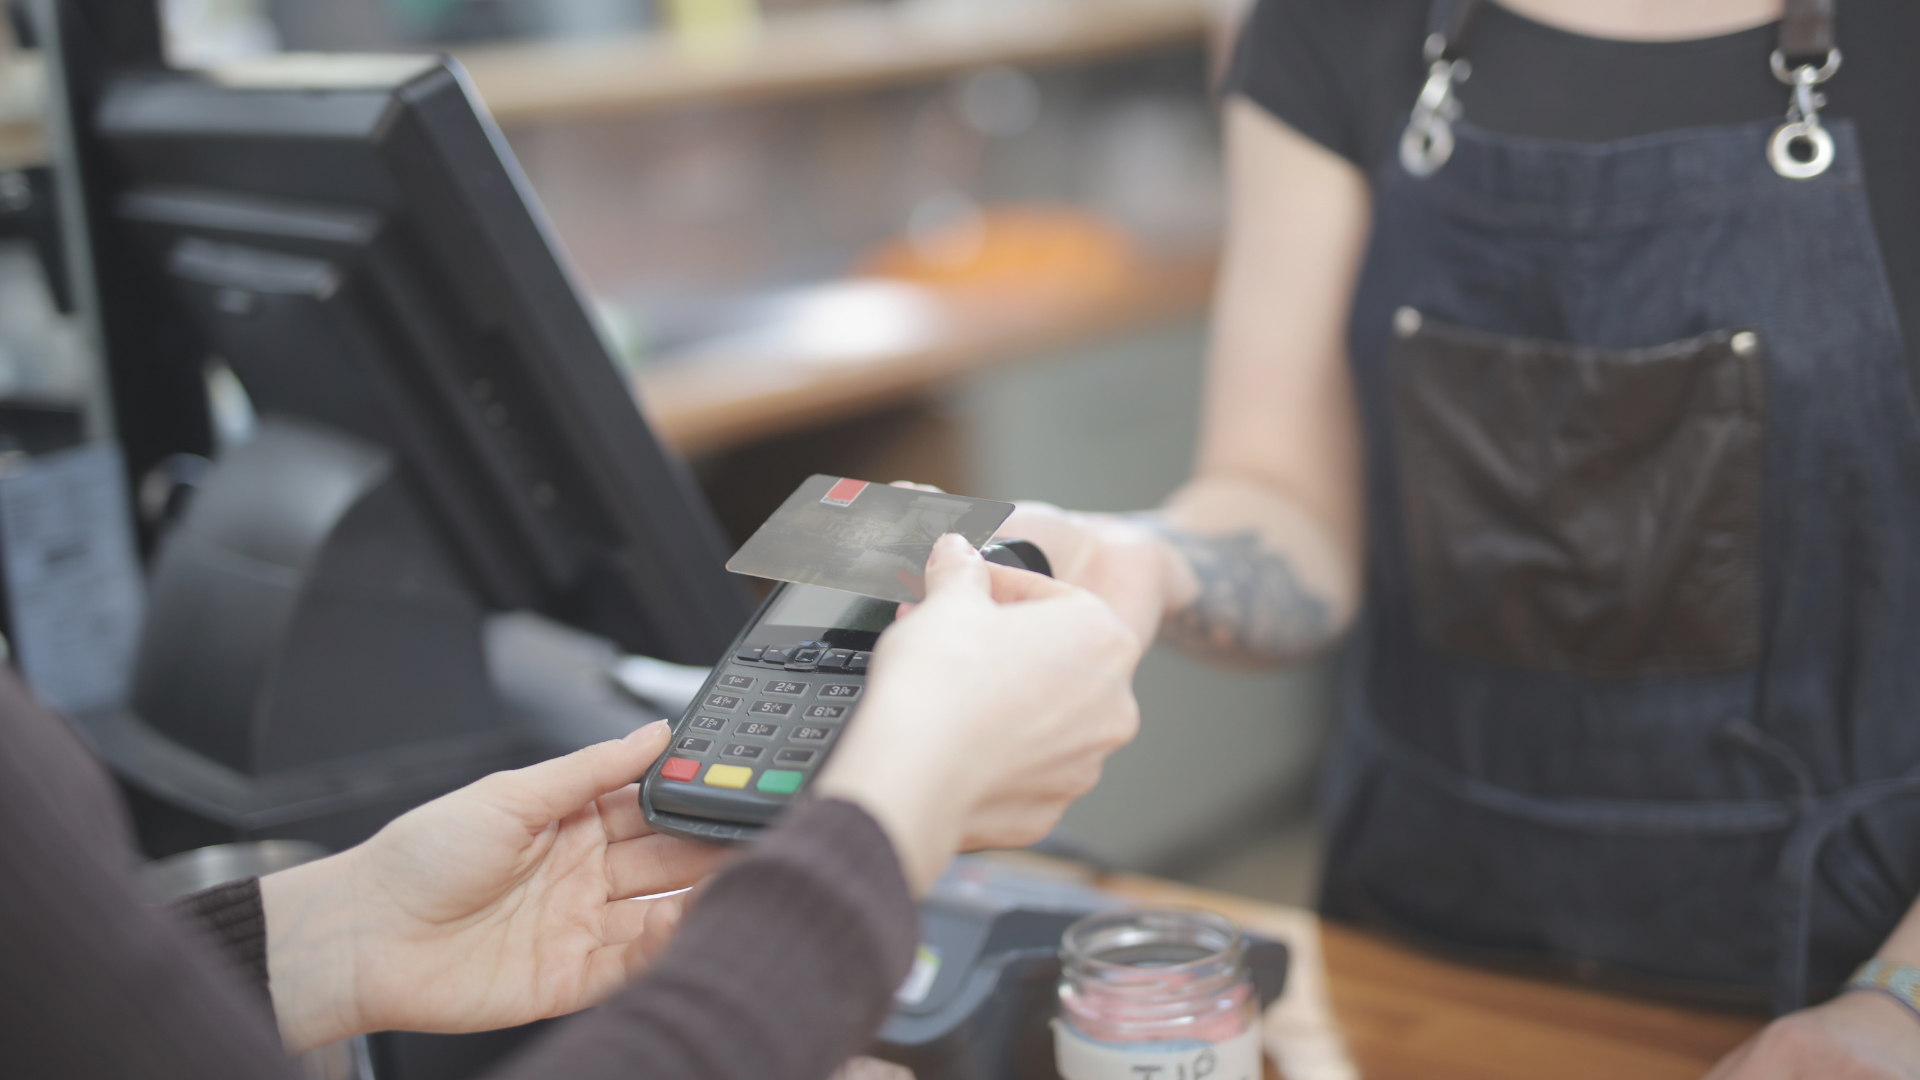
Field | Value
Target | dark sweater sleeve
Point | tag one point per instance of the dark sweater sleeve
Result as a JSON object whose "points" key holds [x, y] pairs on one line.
{"points": [[95, 983], [783, 968], [235, 923]]}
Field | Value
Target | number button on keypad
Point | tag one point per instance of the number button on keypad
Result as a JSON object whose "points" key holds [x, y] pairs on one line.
{"points": [[735, 682], [742, 750], [771, 708], [708, 723], [839, 690], [722, 701], [825, 712], [758, 731], [784, 686], [809, 734]]}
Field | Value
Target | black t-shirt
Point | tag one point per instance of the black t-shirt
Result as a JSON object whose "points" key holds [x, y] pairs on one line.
{"points": [[1345, 73]]}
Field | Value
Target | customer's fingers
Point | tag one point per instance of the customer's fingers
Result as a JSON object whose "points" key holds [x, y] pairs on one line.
{"points": [[956, 569], [642, 929], [621, 816], [663, 920], [657, 864], [1012, 585], [544, 793]]}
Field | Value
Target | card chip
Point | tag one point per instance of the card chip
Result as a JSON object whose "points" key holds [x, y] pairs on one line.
{"points": [[844, 492]]}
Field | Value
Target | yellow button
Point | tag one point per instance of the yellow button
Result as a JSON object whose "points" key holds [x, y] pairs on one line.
{"points": [[733, 776]]}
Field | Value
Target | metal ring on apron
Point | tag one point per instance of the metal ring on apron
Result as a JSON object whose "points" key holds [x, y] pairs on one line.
{"points": [[1802, 128], [1425, 146], [1427, 142], [1780, 149]]}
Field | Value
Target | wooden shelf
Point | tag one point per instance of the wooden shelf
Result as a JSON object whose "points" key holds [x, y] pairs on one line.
{"points": [[721, 400], [836, 49], [22, 142], [22, 145]]}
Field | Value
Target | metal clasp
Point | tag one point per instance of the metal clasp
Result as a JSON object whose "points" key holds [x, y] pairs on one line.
{"points": [[1802, 133], [1428, 141]]}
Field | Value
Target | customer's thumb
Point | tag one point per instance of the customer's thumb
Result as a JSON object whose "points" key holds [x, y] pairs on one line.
{"points": [[956, 569]]}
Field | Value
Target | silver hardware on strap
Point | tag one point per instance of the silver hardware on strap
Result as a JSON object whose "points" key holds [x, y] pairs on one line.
{"points": [[1428, 141], [1802, 131]]}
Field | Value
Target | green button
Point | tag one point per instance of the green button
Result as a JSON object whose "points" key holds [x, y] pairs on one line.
{"points": [[780, 781]]}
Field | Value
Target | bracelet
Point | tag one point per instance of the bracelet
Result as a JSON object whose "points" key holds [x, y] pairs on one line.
{"points": [[1901, 982]]}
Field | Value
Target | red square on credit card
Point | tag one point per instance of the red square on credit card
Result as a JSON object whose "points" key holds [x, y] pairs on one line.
{"points": [[844, 492]]}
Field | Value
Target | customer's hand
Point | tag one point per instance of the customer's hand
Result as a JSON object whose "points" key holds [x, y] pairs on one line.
{"points": [[501, 903], [990, 707], [1856, 1036], [1118, 560]]}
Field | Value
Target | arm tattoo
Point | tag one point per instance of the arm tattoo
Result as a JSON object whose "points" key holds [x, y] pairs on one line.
{"points": [[1251, 603]]}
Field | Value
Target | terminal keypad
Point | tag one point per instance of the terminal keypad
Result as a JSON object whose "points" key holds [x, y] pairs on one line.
{"points": [[788, 726]]}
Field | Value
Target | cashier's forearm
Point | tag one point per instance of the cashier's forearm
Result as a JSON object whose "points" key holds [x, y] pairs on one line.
{"points": [[1903, 944], [1252, 576]]}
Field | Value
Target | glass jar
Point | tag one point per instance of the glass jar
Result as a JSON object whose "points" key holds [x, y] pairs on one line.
{"points": [[1164, 993]]}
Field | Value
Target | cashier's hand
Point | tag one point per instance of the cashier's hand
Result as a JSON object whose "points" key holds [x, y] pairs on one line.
{"points": [[1115, 559], [990, 707], [1856, 1036], [507, 901]]}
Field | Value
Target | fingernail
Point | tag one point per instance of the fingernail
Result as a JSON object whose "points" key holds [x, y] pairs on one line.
{"points": [[640, 733]]}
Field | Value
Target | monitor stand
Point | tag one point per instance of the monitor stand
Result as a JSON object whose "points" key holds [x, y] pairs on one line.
{"points": [[313, 662]]}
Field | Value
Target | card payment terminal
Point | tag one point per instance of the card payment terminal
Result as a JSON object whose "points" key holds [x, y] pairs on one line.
{"points": [[765, 721]]}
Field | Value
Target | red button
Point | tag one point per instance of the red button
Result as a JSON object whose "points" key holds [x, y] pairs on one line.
{"points": [[680, 769]]}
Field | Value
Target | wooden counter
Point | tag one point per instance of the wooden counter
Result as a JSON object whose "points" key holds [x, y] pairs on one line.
{"points": [[725, 397], [1406, 1016]]}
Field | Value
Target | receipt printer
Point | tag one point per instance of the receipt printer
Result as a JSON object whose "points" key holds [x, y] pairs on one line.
{"points": [[979, 1000]]}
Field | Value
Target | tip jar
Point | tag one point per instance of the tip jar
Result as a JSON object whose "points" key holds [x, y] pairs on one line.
{"points": [[1156, 994]]}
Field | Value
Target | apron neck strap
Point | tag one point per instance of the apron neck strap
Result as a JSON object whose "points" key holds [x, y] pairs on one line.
{"points": [[1806, 30], [1449, 23]]}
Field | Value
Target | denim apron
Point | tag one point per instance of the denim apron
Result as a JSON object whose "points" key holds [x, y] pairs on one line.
{"points": [[1635, 694]]}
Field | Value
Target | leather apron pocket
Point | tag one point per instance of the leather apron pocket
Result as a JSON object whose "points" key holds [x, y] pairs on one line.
{"points": [[1594, 511]]}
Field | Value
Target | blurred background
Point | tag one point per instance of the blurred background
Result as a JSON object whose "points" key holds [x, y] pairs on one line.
{"points": [[964, 242]]}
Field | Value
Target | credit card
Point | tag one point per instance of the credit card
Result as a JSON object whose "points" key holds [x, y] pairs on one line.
{"points": [[863, 538]]}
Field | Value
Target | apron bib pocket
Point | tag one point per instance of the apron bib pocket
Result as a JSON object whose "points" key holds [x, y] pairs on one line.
{"points": [[1592, 511]]}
